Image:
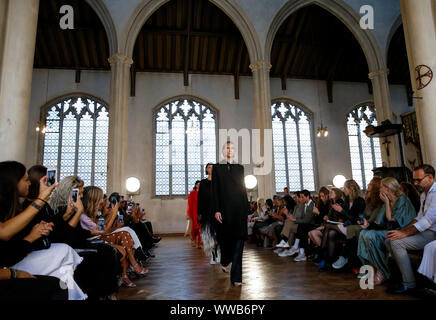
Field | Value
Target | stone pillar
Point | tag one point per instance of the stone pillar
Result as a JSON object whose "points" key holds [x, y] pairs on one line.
{"points": [[382, 101], [18, 38], [263, 120], [420, 35], [118, 123]]}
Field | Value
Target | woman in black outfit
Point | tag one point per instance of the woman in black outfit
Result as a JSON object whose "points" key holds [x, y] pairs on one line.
{"points": [[206, 217], [97, 274], [348, 214]]}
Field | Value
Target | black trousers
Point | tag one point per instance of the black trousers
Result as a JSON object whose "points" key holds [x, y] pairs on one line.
{"points": [[303, 232], [97, 274], [144, 234], [41, 288], [231, 251]]}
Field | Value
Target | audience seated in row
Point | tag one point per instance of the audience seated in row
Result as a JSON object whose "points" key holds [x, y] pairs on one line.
{"points": [[40, 235]]}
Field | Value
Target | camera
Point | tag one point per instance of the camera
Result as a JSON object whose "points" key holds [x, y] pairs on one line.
{"points": [[74, 195]]}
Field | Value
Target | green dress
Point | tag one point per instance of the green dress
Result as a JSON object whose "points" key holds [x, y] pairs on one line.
{"points": [[371, 248]]}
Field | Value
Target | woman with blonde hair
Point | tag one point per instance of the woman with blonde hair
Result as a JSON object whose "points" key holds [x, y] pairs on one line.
{"points": [[396, 212], [122, 240]]}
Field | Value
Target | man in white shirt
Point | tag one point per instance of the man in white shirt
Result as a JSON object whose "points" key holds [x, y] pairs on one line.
{"points": [[420, 231]]}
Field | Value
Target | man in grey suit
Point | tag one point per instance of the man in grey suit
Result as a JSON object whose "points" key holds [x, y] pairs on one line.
{"points": [[304, 219]]}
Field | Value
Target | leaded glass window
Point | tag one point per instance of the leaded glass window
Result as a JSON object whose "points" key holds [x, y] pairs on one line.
{"points": [[293, 147], [185, 142], [76, 139], [364, 151]]}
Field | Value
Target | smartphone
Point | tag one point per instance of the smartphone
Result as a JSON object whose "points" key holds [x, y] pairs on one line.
{"points": [[361, 219], [74, 195], [51, 177], [120, 218]]}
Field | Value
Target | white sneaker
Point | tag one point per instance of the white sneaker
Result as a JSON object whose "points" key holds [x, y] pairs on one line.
{"points": [[285, 253], [300, 257], [340, 263], [282, 244], [294, 250], [213, 261], [218, 258], [278, 250]]}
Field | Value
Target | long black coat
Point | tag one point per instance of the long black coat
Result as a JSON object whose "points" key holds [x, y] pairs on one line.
{"points": [[230, 198]]}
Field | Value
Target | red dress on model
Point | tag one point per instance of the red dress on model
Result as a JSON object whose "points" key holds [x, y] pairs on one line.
{"points": [[192, 214]]}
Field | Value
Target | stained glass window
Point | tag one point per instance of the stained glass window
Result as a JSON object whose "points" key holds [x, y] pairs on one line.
{"points": [[364, 151], [292, 145], [185, 142], [76, 139]]}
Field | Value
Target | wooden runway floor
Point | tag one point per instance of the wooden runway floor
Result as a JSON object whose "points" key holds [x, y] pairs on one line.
{"points": [[183, 273]]}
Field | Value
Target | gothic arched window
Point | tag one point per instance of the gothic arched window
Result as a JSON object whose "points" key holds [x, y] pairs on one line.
{"points": [[364, 151], [185, 140], [76, 139], [293, 147]]}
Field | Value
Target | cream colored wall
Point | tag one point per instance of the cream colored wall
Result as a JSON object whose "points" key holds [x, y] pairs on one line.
{"points": [[168, 216]]}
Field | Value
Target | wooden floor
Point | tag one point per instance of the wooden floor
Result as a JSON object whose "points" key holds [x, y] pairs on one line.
{"points": [[183, 273]]}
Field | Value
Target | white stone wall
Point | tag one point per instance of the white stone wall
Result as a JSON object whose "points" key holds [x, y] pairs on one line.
{"points": [[169, 216]]}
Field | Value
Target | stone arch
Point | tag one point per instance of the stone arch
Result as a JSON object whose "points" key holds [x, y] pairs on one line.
{"points": [[344, 13], [229, 7], [106, 19]]}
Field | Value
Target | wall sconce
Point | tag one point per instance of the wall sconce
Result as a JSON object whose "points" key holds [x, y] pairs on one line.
{"points": [[132, 186], [322, 131], [250, 183], [40, 128], [339, 181]]}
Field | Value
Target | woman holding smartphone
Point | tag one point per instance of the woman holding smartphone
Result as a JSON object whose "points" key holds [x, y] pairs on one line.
{"points": [[121, 240]]}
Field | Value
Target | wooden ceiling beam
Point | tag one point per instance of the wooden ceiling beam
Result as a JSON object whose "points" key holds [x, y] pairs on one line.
{"points": [[54, 48], [238, 67], [293, 49], [83, 49], [73, 46], [93, 48], [45, 51], [204, 54], [197, 33], [104, 54], [187, 45]]}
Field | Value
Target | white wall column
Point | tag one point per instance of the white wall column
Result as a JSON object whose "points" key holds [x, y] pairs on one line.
{"points": [[118, 123], [420, 35], [382, 101], [18, 38], [263, 120]]}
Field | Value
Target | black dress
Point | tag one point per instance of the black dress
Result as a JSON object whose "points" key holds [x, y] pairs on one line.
{"points": [[230, 198], [206, 217]]}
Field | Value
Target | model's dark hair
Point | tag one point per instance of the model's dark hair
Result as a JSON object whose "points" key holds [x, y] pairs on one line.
{"points": [[269, 203], [11, 173], [205, 171], [35, 174], [198, 181], [428, 169]]}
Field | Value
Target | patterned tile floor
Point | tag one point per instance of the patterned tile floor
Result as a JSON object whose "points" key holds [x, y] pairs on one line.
{"points": [[180, 272]]}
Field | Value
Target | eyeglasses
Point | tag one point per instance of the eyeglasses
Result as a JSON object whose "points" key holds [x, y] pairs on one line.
{"points": [[419, 180]]}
